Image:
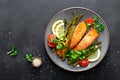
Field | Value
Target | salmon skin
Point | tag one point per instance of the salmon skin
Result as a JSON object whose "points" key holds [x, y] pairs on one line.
{"points": [[78, 34], [87, 40]]}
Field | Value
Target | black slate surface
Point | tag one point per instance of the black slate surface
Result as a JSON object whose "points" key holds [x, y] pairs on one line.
{"points": [[23, 23]]}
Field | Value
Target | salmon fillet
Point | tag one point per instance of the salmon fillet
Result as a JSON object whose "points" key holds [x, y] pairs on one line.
{"points": [[78, 34], [87, 40]]}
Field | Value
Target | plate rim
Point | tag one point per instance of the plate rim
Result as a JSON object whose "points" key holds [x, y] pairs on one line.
{"points": [[83, 8]]}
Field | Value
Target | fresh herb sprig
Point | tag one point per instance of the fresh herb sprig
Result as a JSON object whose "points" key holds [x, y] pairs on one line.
{"points": [[13, 52], [29, 57], [96, 25], [99, 27], [60, 44]]}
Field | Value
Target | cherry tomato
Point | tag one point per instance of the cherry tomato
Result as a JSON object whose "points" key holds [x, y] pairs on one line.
{"points": [[89, 20], [51, 44], [50, 36], [84, 62]]}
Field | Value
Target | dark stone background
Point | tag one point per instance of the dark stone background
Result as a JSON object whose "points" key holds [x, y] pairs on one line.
{"points": [[23, 24]]}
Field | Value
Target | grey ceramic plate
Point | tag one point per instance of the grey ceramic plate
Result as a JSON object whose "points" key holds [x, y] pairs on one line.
{"points": [[67, 13]]}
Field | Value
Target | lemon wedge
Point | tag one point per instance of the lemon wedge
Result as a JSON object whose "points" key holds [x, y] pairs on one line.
{"points": [[60, 31], [55, 24], [94, 56]]}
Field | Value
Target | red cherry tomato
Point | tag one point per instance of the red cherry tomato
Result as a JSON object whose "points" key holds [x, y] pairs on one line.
{"points": [[50, 36], [84, 62], [89, 20], [51, 44]]}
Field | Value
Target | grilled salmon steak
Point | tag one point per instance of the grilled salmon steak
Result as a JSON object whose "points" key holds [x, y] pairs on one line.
{"points": [[78, 34], [87, 40]]}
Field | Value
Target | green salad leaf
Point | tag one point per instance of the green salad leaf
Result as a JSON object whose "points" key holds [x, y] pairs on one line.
{"points": [[59, 46], [13, 52], [96, 20], [99, 27], [80, 55], [29, 57]]}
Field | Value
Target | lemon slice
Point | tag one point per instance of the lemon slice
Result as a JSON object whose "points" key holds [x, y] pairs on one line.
{"points": [[60, 30], [94, 56], [55, 24]]}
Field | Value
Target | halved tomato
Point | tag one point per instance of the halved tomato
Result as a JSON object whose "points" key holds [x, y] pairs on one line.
{"points": [[84, 62], [50, 36], [50, 43], [89, 20]]}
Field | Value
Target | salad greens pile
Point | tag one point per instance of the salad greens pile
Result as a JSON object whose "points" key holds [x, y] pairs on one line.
{"points": [[74, 56], [60, 44], [99, 27], [96, 25]]}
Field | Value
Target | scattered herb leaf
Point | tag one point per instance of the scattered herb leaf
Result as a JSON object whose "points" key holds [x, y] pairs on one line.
{"points": [[13, 52], [29, 57]]}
